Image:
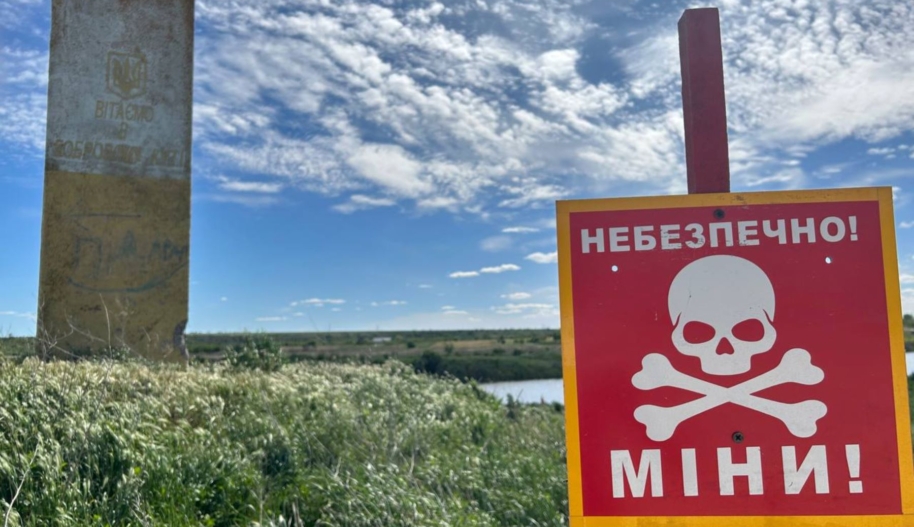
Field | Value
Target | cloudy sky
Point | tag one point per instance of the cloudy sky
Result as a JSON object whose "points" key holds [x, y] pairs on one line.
{"points": [[394, 164]]}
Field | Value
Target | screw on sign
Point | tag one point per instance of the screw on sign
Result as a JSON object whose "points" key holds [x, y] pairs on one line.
{"points": [[735, 359]]}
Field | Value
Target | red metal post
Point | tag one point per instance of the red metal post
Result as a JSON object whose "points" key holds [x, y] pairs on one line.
{"points": [[703, 104]]}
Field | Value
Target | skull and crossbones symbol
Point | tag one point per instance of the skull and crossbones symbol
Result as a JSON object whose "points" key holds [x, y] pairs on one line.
{"points": [[722, 309]]}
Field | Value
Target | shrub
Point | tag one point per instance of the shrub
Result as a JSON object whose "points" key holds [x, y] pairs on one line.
{"points": [[428, 362], [255, 353], [490, 368]]}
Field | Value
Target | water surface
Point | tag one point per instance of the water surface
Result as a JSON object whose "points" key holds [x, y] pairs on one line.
{"points": [[550, 390], [546, 390]]}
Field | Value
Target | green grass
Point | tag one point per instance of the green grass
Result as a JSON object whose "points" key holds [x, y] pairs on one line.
{"points": [[105, 443], [491, 368]]}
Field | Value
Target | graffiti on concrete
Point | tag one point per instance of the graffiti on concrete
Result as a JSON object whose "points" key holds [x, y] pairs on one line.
{"points": [[112, 254]]}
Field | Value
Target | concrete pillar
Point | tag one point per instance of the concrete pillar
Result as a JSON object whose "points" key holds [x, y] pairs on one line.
{"points": [[116, 226]]}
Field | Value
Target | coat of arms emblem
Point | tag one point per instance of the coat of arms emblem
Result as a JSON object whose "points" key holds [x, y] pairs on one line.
{"points": [[126, 74]]}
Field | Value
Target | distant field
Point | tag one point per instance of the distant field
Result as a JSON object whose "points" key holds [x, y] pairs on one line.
{"points": [[374, 342], [482, 355], [485, 356]]}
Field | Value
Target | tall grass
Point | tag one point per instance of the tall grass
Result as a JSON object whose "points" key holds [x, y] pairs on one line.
{"points": [[109, 443]]}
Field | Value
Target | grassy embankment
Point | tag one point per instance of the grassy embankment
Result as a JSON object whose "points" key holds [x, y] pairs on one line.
{"points": [[115, 443], [485, 356]]}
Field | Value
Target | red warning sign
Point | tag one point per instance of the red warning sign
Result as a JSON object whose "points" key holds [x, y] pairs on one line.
{"points": [[734, 355]]}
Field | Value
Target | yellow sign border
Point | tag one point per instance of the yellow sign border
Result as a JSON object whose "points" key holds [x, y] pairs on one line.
{"points": [[881, 195]]}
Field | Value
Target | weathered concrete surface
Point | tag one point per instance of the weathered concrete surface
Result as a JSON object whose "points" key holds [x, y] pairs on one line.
{"points": [[115, 263], [116, 227]]}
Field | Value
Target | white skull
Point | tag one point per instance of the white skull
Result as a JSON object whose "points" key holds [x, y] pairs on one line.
{"points": [[722, 308]]}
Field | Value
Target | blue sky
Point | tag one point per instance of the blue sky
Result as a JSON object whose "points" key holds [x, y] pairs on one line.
{"points": [[393, 165]]}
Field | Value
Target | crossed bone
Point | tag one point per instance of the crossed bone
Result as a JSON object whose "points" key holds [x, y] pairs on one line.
{"points": [[795, 367]]}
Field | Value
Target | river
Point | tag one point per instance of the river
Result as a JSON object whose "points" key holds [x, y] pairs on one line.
{"points": [[550, 390]]}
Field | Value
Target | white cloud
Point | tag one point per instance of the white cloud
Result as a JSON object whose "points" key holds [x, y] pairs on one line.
{"points": [[271, 319], [438, 320], [880, 151], [543, 258], [526, 308], [906, 225], [798, 75], [18, 314], [362, 202], [496, 243], [23, 92], [500, 269], [443, 133], [517, 296], [519, 230], [530, 193], [438, 202], [456, 312], [248, 200], [391, 168], [497, 269], [389, 303], [318, 302], [15, 13], [467, 107], [906, 278], [888, 106], [331, 301], [224, 299], [258, 187], [425, 286]]}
